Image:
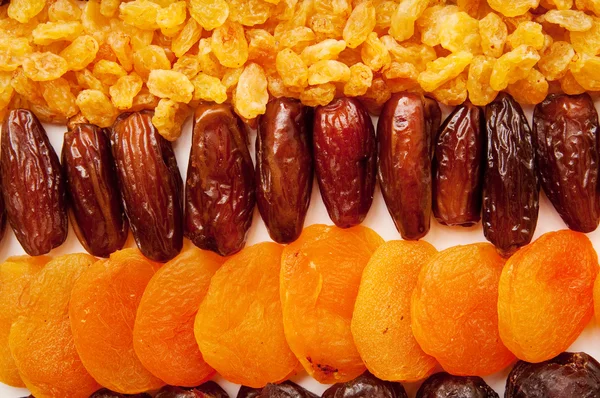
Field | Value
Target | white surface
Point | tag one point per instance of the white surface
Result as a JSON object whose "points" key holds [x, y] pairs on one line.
{"points": [[378, 218]]}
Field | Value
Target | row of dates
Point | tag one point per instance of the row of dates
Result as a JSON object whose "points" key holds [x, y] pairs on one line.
{"points": [[477, 162]]}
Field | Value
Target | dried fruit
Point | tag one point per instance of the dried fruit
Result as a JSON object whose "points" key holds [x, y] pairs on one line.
{"points": [[478, 82], [106, 393], [460, 32], [530, 90], [171, 18], [285, 389], [328, 71], [359, 24], [108, 72], [150, 58], [555, 62], [444, 69], [37, 212], [291, 68], [24, 10], [324, 50], [319, 95], [51, 32], [325, 263], [345, 160], [587, 42], [493, 33], [124, 91], [229, 45], [374, 53], [366, 385], [210, 389], [189, 35], [251, 92], [584, 71], [360, 80], [528, 33], [209, 88], [442, 385], [402, 23], [513, 8], [140, 13], [513, 66], [57, 94], [96, 107], [41, 67], [170, 84], [461, 330], [64, 10], [431, 21], [539, 296], [571, 20], [210, 14]]}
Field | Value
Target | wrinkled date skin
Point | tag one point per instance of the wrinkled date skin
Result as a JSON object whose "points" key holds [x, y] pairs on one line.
{"points": [[248, 392], [405, 130], [96, 210], [209, 389], [33, 186], [284, 168], [345, 160], [567, 375], [458, 167], [510, 186], [150, 185], [443, 385], [287, 389], [106, 393], [366, 385], [565, 132], [220, 190]]}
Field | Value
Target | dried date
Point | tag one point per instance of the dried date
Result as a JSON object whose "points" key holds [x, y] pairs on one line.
{"points": [[150, 184], [345, 160], [106, 393], [565, 134], [220, 190], [287, 389], [210, 389], [366, 385], [284, 168], [510, 187], [444, 385], [32, 184]]}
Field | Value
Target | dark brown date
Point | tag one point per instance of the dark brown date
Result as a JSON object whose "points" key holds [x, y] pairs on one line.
{"points": [[106, 393], [210, 389], [287, 389], [96, 209], [458, 167], [345, 160], [2, 214], [284, 168], [32, 184], [510, 187], [443, 385], [567, 375], [219, 190], [366, 385], [405, 130], [150, 184], [565, 134], [248, 392]]}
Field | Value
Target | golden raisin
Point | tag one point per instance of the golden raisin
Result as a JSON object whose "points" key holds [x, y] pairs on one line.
{"points": [[170, 84]]}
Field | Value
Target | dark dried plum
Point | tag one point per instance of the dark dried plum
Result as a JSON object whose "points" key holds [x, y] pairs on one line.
{"points": [[568, 375], [510, 185], [345, 160], [443, 385], [366, 385], [565, 131], [249, 392], [106, 393], [284, 168], [210, 389], [219, 190], [287, 389], [32, 184]]}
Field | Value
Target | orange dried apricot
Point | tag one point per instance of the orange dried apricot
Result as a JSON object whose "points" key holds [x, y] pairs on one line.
{"points": [[320, 276], [41, 341], [163, 334], [381, 320], [239, 325], [15, 275], [454, 310], [103, 306], [546, 295]]}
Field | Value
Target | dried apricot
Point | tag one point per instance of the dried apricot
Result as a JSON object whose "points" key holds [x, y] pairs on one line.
{"points": [[381, 320], [103, 306], [461, 330], [320, 277], [41, 340], [239, 326], [546, 295]]}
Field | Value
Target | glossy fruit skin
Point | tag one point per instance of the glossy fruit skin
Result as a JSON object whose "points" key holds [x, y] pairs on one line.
{"points": [[366, 385], [287, 389], [96, 209], [458, 167], [284, 167], [210, 389], [248, 392], [33, 185], [565, 132], [220, 187], [567, 375], [510, 185], [345, 160], [150, 184], [405, 132], [106, 393], [444, 385]]}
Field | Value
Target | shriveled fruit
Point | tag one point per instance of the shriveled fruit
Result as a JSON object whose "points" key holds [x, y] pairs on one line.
{"points": [[103, 306], [381, 320], [461, 330], [241, 313], [249, 392], [210, 389], [366, 385], [546, 295], [106, 393], [320, 277], [163, 334], [286, 389], [444, 385], [41, 341]]}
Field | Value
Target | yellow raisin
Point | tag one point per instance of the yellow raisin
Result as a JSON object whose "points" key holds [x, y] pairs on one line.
{"points": [[587, 42], [26, 88], [571, 20], [322, 94], [374, 53], [328, 71], [513, 66], [531, 90], [360, 80], [513, 8], [360, 23], [229, 45], [171, 18], [86, 79], [417, 54], [261, 46], [527, 33], [402, 24], [570, 86], [493, 32], [291, 68], [140, 13], [430, 23], [297, 38], [189, 65], [51, 32], [326, 49], [59, 98], [80, 53], [144, 100], [444, 69], [120, 44], [24, 10], [210, 14], [149, 58], [453, 92], [124, 91], [585, 71], [6, 89], [249, 12], [168, 118], [231, 78], [251, 92], [478, 82], [189, 35], [460, 32], [170, 84], [96, 107], [108, 8], [94, 23], [108, 72], [64, 10], [44, 66], [209, 88], [555, 62]]}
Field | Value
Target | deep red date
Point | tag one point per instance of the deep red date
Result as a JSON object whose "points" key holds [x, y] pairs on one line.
{"points": [[444, 385], [366, 385]]}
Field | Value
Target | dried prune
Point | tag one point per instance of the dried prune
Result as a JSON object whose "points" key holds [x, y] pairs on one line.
{"points": [[405, 129], [150, 183], [366, 385], [96, 210], [219, 189], [287, 389], [345, 160], [284, 168], [458, 167], [444, 385], [565, 132], [210, 389], [510, 187], [32, 184], [567, 375], [106, 393], [248, 392]]}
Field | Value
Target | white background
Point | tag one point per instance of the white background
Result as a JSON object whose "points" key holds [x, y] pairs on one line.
{"points": [[378, 218]]}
